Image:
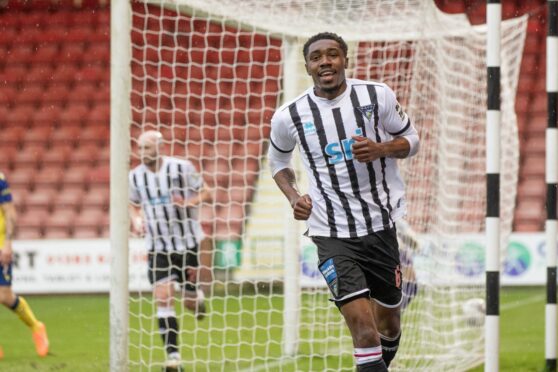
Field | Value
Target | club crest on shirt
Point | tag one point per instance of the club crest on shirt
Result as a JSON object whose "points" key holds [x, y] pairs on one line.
{"points": [[309, 128], [367, 111]]}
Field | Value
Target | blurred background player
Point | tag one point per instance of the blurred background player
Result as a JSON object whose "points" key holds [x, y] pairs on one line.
{"points": [[13, 302], [165, 195]]}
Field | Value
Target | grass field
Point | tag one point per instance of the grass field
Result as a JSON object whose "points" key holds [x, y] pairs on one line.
{"points": [[78, 327]]}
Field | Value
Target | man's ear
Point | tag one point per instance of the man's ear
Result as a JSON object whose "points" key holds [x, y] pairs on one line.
{"points": [[307, 70], [346, 62]]}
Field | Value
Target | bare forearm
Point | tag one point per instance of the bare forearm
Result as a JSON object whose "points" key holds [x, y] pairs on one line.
{"points": [[286, 181], [398, 148], [10, 214]]}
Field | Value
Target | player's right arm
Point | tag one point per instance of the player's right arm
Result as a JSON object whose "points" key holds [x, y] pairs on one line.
{"points": [[134, 210], [136, 219], [10, 215], [280, 153]]}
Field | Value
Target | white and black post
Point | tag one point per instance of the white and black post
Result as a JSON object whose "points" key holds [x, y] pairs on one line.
{"points": [[493, 117], [551, 183]]}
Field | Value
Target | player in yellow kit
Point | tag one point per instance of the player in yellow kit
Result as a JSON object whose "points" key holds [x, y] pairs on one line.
{"points": [[7, 297]]}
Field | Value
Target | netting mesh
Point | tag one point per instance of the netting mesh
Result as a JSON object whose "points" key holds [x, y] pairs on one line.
{"points": [[209, 75]]}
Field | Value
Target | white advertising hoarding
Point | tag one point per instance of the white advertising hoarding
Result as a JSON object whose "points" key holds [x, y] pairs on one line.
{"points": [[83, 266], [72, 266]]}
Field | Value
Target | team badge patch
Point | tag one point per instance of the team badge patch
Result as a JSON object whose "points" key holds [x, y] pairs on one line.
{"points": [[330, 276], [367, 111], [309, 128]]}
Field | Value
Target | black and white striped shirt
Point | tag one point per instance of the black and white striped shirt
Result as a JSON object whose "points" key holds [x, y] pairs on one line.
{"points": [[169, 227], [349, 198]]}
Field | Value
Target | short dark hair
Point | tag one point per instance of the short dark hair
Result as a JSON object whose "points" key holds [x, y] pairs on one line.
{"points": [[322, 36]]}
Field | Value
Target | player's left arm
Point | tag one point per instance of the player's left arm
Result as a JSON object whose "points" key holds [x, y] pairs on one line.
{"points": [[195, 186], [396, 122]]}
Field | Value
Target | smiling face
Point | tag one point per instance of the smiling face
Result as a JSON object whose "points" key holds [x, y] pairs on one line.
{"points": [[326, 63]]}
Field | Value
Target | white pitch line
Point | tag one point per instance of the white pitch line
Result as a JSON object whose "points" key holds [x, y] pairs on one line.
{"points": [[528, 300]]}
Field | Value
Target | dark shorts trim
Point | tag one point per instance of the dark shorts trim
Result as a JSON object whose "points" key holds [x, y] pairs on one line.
{"points": [[6, 275], [164, 266], [368, 265]]}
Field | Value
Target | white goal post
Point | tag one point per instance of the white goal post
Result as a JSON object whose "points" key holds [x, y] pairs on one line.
{"points": [[209, 74]]}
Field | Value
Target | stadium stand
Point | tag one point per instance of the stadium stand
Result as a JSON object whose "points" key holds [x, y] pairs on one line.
{"points": [[54, 114]]}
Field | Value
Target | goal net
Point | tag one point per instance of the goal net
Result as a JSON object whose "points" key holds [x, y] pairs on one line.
{"points": [[209, 74]]}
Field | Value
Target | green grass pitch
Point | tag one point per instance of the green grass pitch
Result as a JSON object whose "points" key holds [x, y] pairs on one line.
{"points": [[78, 328]]}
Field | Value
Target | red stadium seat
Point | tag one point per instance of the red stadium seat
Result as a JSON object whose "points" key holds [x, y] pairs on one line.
{"points": [[65, 136], [30, 224], [83, 92], [24, 232], [12, 135], [533, 167], [22, 178], [62, 232], [69, 198], [99, 175], [537, 124], [19, 54], [97, 53], [53, 34], [95, 135], [13, 74], [30, 95], [29, 157], [20, 115], [49, 177], [46, 116], [60, 218], [7, 95], [74, 115], [93, 74], [8, 153], [96, 199], [85, 154], [522, 103], [64, 74], [75, 176], [531, 211], [539, 103], [535, 146], [40, 199], [71, 53], [89, 219], [57, 156], [45, 54], [531, 189], [86, 232], [37, 135]]}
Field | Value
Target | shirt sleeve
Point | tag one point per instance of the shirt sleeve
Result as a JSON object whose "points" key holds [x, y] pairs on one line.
{"points": [[281, 146], [193, 179], [395, 119], [5, 193], [280, 137], [397, 123], [134, 195]]}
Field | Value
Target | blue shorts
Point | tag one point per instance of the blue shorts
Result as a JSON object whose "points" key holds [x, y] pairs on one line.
{"points": [[6, 275]]}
